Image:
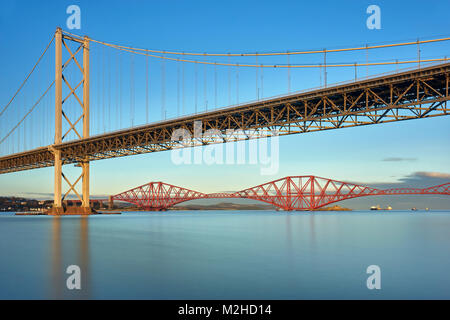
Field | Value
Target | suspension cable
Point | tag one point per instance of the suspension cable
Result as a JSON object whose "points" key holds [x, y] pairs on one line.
{"points": [[28, 76], [265, 53], [29, 111], [283, 65], [365, 47]]}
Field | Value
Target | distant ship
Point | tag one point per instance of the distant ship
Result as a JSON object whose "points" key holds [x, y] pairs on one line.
{"points": [[377, 207]]}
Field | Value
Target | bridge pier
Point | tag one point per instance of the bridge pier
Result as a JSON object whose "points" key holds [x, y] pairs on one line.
{"points": [[111, 202]]}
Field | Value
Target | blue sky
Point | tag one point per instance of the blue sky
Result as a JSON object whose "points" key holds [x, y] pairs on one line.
{"points": [[402, 153]]}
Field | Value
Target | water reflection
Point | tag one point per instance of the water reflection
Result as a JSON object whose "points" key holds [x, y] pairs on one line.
{"points": [[288, 232], [312, 232], [61, 258], [84, 256], [224, 255], [56, 272]]}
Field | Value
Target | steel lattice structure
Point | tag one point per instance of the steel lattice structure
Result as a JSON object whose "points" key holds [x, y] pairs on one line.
{"points": [[158, 195], [289, 193], [414, 94]]}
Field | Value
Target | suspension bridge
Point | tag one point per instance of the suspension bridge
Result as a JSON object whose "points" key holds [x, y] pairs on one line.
{"points": [[297, 193], [107, 100]]}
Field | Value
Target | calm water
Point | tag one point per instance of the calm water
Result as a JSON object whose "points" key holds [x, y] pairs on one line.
{"points": [[227, 255]]}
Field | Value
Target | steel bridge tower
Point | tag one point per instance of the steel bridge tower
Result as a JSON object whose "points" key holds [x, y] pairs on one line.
{"points": [[61, 41]]}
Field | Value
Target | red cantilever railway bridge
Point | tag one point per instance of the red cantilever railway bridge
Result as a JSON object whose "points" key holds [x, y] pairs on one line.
{"points": [[289, 193]]}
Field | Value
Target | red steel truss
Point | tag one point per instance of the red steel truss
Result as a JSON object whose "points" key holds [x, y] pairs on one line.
{"points": [[289, 193]]}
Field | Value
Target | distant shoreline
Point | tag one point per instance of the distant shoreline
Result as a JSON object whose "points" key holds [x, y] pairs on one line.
{"points": [[228, 206]]}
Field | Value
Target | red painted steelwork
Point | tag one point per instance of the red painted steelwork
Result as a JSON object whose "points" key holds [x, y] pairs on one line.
{"points": [[289, 193]]}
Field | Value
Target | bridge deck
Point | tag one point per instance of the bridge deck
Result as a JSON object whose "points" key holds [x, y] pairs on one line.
{"points": [[413, 94]]}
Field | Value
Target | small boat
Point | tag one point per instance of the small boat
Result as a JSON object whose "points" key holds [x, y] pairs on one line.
{"points": [[375, 207], [414, 209]]}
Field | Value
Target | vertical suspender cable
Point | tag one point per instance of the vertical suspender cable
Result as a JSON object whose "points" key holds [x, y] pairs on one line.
{"points": [[183, 96], [30, 127], [24, 102], [116, 122], [367, 61], [97, 113], [24, 123], [178, 87], [132, 91], [46, 117], [215, 85], [46, 120], [146, 89], [262, 82], [289, 72], [237, 83], [103, 89], [163, 89], [195, 86], [325, 67], [229, 81], [41, 113], [418, 52], [320, 74], [256, 78], [120, 90], [19, 141], [109, 90], [204, 87]]}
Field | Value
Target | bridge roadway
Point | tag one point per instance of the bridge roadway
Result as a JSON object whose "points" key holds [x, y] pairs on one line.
{"points": [[413, 94]]}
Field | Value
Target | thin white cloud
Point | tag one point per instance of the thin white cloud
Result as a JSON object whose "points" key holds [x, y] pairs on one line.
{"points": [[397, 159]]}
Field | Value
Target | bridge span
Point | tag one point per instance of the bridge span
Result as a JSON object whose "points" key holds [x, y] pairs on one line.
{"points": [[299, 193], [415, 94]]}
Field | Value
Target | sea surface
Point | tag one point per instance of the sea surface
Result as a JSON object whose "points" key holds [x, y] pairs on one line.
{"points": [[227, 255]]}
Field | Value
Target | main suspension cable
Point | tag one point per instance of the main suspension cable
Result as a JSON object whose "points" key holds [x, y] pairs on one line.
{"points": [[26, 115], [267, 53], [28, 76], [365, 47], [283, 65]]}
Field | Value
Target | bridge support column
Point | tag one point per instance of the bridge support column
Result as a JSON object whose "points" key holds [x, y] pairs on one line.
{"points": [[57, 203], [85, 164], [111, 202], [58, 207]]}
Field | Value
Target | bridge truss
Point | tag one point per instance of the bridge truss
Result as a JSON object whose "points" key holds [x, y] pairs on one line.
{"points": [[416, 94], [299, 193]]}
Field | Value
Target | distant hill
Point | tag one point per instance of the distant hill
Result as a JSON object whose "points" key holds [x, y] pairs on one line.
{"points": [[333, 208], [228, 206], [224, 206]]}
